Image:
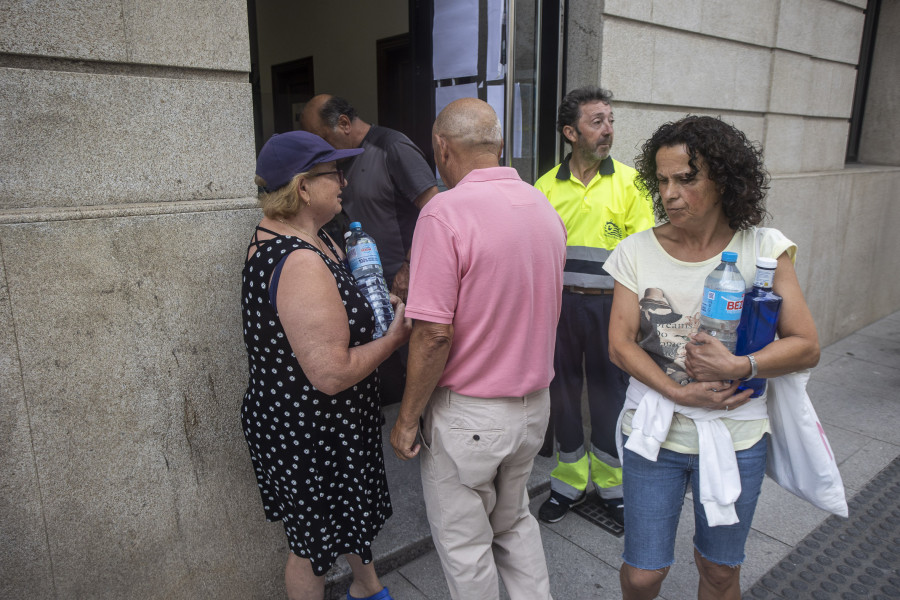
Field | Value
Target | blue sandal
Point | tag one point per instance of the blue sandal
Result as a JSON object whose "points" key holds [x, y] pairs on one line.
{"points": [[384, 594]]}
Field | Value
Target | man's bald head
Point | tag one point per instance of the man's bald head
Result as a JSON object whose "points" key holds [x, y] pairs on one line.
{"points": [[466, 136], [471, 124]]}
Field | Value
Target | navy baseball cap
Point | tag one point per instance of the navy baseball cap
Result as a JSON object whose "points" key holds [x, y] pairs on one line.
{"points": [[286, 154]]}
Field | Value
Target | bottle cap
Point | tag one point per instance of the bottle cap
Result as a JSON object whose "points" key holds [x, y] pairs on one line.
{"points": [[729, 257], [765, 262], [355, 225]]}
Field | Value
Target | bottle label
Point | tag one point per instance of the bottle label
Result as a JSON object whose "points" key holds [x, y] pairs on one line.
{"points": [[363, 254], [764, 278], [724, 306]]}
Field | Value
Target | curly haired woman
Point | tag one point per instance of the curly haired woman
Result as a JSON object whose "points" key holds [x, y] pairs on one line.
{"points": [[708, 185]]}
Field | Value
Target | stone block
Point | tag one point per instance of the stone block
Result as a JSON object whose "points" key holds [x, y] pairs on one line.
{"points": [[204, 34], [645, 62], [577, 530], [811, 87], [861, 396], [844, 223], [134, 369], [678, 14], [796, 144], [24, 552], [824, 144], [832, 89], [627, 57], [876, 246], [821, 29], [79, 139], [586, 26], [89, 29], [812, 210], [596, 580], [783, 516], [752, 21], [784, 143], [860, 468], [634, 125], [639, 10], [790, 84], [207, 34], [426, 575], [722, 75]]}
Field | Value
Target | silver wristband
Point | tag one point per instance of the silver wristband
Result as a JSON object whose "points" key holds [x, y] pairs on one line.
{"points": [[753, 368]]}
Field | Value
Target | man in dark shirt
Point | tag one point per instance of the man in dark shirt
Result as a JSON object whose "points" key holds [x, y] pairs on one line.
{"points": [[387, 184]]}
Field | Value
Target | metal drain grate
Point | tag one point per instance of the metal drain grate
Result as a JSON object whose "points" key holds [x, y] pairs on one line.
{"points": [[595, 511]]}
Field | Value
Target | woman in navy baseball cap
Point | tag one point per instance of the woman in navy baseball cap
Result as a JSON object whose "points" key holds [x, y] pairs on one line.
{"points": [[311, 414]]}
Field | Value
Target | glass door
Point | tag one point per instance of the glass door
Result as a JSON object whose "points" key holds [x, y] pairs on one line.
{"points": [[492, 50]]}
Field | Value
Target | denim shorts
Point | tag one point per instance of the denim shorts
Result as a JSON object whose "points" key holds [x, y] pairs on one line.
{"points": [[654, 494]]}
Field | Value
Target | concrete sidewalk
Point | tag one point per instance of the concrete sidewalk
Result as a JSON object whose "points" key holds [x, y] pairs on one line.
{"points": [[855, 392]]}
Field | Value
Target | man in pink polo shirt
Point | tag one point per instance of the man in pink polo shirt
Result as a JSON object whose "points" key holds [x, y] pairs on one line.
{"points": [[486, 282]]}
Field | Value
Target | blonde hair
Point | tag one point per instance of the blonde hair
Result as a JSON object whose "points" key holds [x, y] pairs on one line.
{"points": [[284, 202]]}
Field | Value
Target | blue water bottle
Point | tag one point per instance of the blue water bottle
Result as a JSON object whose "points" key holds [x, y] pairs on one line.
{"points": [[723, 295], [759, 319], [365, 265]]}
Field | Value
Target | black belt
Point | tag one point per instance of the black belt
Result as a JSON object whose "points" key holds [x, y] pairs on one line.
{"points": [[587, 291]]}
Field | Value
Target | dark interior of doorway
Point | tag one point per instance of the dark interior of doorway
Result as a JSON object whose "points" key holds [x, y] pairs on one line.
{"points": [[292, 87], [406, 83]]}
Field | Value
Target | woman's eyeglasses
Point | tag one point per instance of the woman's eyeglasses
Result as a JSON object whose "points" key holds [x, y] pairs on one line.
{"points": [[337, 172]]}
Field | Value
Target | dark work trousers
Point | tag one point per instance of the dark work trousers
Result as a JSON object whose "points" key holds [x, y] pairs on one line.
{"points": [[582, 348]]}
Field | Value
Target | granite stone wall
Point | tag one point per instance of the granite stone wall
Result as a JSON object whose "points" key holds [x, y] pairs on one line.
{"points": [[126, 203], [784, 73]]}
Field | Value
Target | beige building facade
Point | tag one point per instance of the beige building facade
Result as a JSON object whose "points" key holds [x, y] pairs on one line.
{"points": [[126, 204]]}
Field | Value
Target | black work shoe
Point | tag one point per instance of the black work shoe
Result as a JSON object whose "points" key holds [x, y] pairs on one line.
{"points": [[615, 510], [556, 507]]}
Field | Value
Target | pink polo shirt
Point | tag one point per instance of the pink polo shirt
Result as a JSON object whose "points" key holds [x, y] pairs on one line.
{"points": [[488, 257]]}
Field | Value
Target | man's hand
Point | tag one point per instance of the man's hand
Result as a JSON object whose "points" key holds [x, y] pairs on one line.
{"points": [[429, 347], [403, 439], [400, 286]]}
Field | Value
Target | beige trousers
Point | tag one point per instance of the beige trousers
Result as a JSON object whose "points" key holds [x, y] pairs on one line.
{"points": [[476, 458]]}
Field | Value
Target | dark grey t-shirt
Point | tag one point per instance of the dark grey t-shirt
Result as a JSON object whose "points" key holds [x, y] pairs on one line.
{"points": [[383, 183]]}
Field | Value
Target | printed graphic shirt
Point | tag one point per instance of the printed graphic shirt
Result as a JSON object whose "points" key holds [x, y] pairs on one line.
{"points": [[669, 293]]}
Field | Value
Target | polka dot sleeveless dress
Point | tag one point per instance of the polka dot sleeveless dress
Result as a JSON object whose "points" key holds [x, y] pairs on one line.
{"points": [[318, 458]]}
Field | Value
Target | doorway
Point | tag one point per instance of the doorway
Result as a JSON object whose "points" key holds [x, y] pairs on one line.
{"points": [[292, 88], [398, 62]]}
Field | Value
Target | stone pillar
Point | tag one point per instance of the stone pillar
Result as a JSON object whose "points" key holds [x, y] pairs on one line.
{"points": [[126, 169]]}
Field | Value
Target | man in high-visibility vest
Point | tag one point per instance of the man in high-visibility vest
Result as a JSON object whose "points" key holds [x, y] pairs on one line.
{"points": [[600, 205]]}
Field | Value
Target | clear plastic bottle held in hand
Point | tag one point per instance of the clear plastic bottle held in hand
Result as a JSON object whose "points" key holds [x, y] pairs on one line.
{"points": [[365, 265], [723, 300]]}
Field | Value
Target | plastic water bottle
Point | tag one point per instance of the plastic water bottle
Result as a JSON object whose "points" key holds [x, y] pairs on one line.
{"points": [[365, 264], [723, 297], [759, 319]]}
